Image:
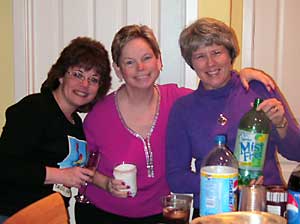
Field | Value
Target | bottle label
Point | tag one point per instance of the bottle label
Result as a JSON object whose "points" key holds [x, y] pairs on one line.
{"points": [[293, 204], [274, 209], [250, 149], [218, 190]]}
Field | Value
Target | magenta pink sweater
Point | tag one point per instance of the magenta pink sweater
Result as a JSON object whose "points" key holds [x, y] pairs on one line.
{"points": [[106, 132]]}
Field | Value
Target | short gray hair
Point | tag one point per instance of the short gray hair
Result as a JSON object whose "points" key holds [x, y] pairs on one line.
{"points": [[206, 32]]}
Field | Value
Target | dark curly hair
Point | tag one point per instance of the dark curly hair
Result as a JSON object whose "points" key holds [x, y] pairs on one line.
{"points": [[87, 54]]}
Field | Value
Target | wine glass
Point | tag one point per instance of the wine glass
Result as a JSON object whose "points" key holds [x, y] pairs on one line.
{"points": [[94, 158]]}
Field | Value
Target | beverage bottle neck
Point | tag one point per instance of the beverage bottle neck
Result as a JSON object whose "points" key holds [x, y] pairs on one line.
{"points": [[221, 144], [257, 101]]}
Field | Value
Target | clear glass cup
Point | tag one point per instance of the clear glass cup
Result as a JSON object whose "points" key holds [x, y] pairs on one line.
{"points": [[92, 164], [176, 208], [252, 198]]}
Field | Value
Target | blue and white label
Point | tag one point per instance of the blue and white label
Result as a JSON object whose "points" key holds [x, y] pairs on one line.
{"points": [[218, 190]]}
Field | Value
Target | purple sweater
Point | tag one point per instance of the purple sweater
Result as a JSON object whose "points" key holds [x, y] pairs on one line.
{"points": [[193, 126], [106, 132]]}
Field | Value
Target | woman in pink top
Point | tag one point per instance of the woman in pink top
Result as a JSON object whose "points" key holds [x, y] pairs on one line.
{"points": [[129, 126]]}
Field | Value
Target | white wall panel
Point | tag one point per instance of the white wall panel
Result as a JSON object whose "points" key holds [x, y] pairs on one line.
{"points": [[191, 79], [77, 19], [175, 70], [248, 33], [139, 12], [45, 39], [110, 16], [275, 48], [290, 54], [20, 65], [173, 64], [48, 26], [266, 34]]}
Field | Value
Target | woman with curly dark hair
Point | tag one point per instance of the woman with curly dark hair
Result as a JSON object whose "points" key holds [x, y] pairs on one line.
{"points": [[43, 144]]}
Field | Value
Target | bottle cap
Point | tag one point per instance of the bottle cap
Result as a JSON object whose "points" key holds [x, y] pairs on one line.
{"points": [[257, 101], [220, 139]]}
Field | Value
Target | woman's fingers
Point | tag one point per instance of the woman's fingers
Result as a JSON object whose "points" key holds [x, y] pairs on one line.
{"points": [[117, 187], [274, 110]]}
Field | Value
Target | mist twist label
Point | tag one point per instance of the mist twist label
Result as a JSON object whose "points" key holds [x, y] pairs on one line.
{"points": [[250, 151]]}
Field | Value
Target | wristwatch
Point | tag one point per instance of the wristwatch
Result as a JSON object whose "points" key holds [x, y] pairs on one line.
{"points": [[283, 123]]}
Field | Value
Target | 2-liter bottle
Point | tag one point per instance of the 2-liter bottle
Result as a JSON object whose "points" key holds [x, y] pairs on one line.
{"points": [[219, 180], [251, 143]]}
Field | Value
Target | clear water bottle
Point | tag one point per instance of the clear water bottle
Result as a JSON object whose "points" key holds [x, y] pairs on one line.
{"points": [[251, 143], [293, 203], [219, 180]]}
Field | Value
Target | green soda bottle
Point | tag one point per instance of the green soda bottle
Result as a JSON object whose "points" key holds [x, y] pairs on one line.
{"points": [[251, 143]]}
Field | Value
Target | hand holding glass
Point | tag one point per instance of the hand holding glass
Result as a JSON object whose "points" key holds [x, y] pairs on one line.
{"points": [[93, 161], [127, 173]]}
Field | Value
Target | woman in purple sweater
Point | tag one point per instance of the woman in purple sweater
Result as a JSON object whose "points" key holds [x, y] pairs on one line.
{"points": [[216, 107], [129, 126]]}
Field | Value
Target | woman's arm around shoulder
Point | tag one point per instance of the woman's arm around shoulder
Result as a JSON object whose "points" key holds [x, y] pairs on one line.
{"points": [[249, 74]]}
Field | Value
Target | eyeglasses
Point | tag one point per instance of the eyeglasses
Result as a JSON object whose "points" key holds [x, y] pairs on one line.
{"points": [[93, 81]]}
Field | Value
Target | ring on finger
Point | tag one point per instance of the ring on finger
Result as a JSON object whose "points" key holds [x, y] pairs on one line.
{"points": [[110, 186]]}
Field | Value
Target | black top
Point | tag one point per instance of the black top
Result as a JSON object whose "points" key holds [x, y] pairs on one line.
{"points": [[36, 134]]}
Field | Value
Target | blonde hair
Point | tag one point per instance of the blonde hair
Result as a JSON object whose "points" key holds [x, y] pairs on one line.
{"points": [[130, 32]]}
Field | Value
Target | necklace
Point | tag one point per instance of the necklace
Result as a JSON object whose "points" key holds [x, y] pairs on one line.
{"points": [[146, 141]]}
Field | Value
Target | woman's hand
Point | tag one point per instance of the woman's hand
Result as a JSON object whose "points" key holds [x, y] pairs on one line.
{"points": [[258, 181], [117, 187], [70, 177], [248, 74], [111, 185], [275, 111]]}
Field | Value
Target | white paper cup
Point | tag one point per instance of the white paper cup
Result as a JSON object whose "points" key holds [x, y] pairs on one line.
{"points": [[127, 173]]}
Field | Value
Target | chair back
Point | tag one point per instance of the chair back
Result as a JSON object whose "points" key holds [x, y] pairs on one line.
{"points": [[50, 210]]}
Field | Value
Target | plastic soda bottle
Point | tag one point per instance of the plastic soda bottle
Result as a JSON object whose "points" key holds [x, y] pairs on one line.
{"points": [[219, 180], [251, 143], [293, 203]]}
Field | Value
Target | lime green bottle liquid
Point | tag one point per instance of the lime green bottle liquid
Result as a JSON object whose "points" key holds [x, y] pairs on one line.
{"points": [[251, 143]]}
